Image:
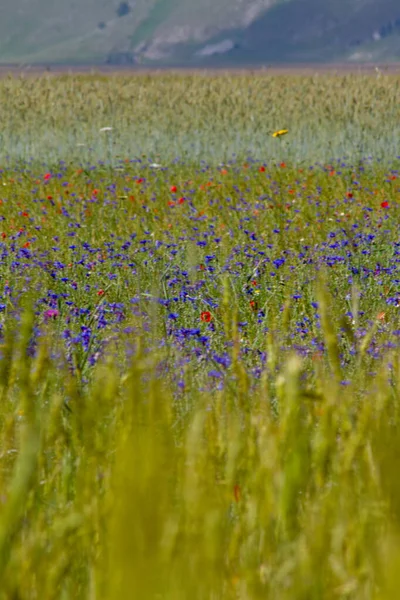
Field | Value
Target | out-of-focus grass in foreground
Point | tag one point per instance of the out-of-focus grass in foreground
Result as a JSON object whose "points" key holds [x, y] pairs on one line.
{"points": [[121, 490]]}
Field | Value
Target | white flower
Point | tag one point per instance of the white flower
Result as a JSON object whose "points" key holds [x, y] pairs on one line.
{"points": [[106, 129], [155, 166]]}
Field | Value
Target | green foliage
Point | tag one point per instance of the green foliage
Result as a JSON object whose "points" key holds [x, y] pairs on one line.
{"points": [[116, 483]]}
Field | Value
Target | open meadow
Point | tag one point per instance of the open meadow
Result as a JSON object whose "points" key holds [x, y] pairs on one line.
{"points": [[200, 337]]}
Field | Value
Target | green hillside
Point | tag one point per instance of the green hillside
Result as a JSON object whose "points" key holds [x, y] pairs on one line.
{"points": [[198, 31]]}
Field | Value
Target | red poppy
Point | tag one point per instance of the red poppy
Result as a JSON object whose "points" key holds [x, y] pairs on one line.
{"points": [[206, 316], [100, 293], [282, 165], [181, 200], [173, 189], [253, 305], [49, 197], [139, 181], [237, 492], [385, 204], [262, 169], [47, 176], [349, 194]]}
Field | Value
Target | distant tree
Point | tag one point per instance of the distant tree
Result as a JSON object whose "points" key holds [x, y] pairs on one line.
{"points": [[123, 9], [386, 30], [121, 58]]}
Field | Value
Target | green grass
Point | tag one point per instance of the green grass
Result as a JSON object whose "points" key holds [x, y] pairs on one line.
{"points": [[278, 493], [199, 117], [126, 469], [160, 11]]}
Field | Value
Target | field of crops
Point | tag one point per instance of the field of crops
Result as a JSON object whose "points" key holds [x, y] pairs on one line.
{"points": [[200, 337]]}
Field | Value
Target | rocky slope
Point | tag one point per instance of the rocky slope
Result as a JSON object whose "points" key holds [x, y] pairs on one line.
{"points": [[198, 32]]}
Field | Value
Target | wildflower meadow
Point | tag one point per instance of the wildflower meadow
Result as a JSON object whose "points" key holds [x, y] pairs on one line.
{"points": [[200, 336]]}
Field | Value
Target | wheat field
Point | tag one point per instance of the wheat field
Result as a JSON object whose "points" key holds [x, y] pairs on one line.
{"points": [[199, 337]]}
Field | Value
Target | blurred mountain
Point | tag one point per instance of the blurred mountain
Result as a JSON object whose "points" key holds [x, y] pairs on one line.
{"points": [[199, 32]]}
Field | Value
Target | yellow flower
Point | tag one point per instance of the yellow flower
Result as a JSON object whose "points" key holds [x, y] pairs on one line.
{"points": [[280, 132]]}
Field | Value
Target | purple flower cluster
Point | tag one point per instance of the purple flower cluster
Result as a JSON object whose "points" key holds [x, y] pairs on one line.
{"points": [[205, 273]]}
